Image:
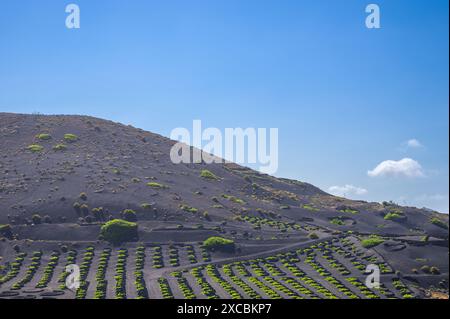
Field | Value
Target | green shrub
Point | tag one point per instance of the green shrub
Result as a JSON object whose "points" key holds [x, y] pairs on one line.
{"points": [[233, 199], [219, 243], [372, 241], [59, 147], [118, 231], [35, 148], [156, 185], [208, 175], [393, 216], [83, 196], [43, 136], [70, 138], [349, 210], [436, 221], [310, 207], [189, 209], [337, 221]]}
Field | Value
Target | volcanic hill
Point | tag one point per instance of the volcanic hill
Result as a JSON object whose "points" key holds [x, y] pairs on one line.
{"points": [[63, 176]]}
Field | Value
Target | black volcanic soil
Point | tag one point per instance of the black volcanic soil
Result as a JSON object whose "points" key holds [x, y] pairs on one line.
{"points": [[112, 164]]}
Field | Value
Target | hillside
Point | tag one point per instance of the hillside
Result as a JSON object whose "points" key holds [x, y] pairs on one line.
{"points": [[77, 172]]}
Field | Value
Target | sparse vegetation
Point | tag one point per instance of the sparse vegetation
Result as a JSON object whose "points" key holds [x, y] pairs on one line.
{"points": [[83, 196], [337, 221], [43, 136], [70, 138], [310, 207], [233, 199], [393, 216], [35, 148], [208, 175], [60, 147], [436, 221], [189, 209], [156, 185], [372, 241], [348, 210]]}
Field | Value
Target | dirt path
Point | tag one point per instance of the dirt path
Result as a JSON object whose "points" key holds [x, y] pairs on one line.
{"points": [[130, 277]]}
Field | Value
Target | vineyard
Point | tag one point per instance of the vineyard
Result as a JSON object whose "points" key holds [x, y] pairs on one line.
{"points": [[331, 269]]}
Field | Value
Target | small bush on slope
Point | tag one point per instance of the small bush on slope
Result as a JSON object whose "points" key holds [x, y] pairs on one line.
{"points": [[59, 147], [208, 175], [156, 185], [438, 222], [35, 148], [43, 137], [70, 138]]}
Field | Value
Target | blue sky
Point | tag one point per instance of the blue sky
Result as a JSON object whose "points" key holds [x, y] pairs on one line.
{"points": [[345, 98]]}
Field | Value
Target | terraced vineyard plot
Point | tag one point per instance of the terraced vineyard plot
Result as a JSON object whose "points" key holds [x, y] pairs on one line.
{"points": [[140, 284], [326, 269], [30, 272], [157, 255], [85, 266], [120, 276], [49, 270], [102, 283], [14, 269]]}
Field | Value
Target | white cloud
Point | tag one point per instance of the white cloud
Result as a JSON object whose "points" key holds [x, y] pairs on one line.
{"points": [[413, 143], [347, 190], [404, 167]]}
